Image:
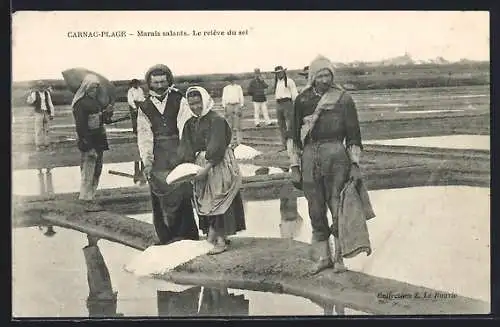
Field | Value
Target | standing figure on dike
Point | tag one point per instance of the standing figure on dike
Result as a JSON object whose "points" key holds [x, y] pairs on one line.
{"points": [[325, 117], [159, 123], [285, 92], [206, 142], [233, 102], [90, 116], [257, 90], [135, 96], [41, 101]]}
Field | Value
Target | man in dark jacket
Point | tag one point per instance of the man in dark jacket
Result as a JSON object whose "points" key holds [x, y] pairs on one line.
{"points": [[257, 90], [325, 117], [159, 126]]}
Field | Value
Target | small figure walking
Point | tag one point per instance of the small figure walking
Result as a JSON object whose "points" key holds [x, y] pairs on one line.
{"points": [[257, 89], [285, 93], [233, 102], [135, 96]]}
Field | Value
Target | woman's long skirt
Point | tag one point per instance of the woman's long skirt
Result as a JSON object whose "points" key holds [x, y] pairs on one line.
{"points": [[217, 199]]}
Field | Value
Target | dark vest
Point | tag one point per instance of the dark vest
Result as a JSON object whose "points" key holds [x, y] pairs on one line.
{"points": [[38, 102], [165, 131]]}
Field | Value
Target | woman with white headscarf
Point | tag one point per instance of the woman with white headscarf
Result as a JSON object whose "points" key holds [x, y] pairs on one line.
{"points": [[92, 140], [205, 141]]}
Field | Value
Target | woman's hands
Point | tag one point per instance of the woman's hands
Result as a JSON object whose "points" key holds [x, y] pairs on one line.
{"points": [[355, 172], [203, 173]]}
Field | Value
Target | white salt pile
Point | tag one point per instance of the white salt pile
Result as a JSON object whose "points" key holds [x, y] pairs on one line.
{"points": [[159, 259], [245, 152]]}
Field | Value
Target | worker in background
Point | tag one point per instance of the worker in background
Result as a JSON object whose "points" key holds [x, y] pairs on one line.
{"points": [[135, 96]]}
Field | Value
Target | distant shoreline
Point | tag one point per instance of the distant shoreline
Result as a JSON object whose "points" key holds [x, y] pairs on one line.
{"points": [[352, 78], [340, 68]]}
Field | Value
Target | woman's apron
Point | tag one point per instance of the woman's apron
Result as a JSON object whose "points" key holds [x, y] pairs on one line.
{"points": [[215, 194]]}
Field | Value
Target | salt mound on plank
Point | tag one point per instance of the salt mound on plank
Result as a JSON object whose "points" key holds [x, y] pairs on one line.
{"points": [[159, 259], [275, 170], [183, 172], [245, 152]]}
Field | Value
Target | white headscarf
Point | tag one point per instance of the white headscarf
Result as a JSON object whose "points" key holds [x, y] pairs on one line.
{"points": [[82, 90], [206, 100]]}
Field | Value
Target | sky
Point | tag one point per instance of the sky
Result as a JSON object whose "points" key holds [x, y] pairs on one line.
{"points": [[42, 48]]}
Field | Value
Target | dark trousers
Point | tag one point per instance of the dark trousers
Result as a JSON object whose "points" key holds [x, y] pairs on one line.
{"points": [[284, 111], [173, 216], [325, 170], [233, 117], [138, 168], [138, 165], [133, 117]]}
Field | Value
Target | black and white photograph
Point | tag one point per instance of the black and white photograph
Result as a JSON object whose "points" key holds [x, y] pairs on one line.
{"points": [[207, 164]]}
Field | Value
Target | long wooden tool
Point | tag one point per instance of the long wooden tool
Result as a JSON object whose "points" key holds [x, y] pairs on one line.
{"points": [[119, 173], [125, 117]]}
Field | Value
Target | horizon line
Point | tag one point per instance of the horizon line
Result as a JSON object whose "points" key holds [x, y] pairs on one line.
{"points": [[346, 65]]}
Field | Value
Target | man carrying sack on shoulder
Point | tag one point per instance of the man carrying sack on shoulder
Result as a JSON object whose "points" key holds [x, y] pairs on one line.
{"points": [[324, 117]]}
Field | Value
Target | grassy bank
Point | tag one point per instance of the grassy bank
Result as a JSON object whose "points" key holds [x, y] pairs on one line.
{"points": [[357, 78]]}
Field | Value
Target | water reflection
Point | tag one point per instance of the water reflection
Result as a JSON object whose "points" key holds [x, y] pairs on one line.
{"points": [[45, 182], [102, 300], [219, 302], [192, 301], [66, 179], [202, 301], [49, 232], [291, 228], [175, 304], [476, 142], [49, 280], [333, 309], [114, 175]]}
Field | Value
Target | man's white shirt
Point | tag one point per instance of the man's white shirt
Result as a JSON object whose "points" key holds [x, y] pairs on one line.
{"points": [[232, 93], [32, 98], [135, 94], [289, 91]]}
